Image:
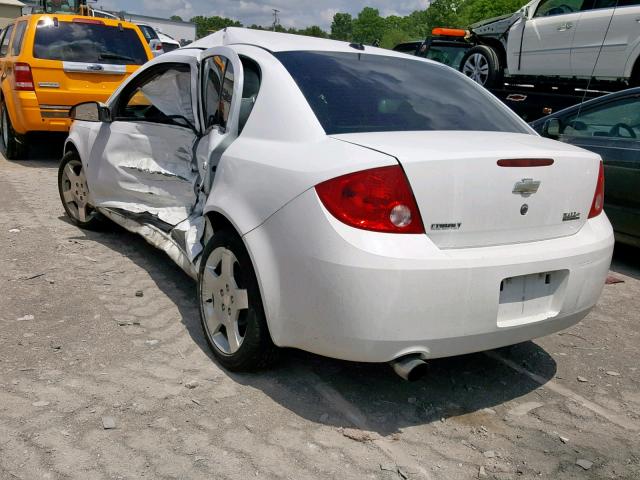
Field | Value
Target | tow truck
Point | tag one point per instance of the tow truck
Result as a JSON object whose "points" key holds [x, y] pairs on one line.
{"points": [[529, 100]]}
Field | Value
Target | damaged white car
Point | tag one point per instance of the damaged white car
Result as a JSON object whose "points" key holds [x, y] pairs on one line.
{"points": [[326, 199]]}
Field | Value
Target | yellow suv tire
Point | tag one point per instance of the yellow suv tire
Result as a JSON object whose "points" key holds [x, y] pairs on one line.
{"points": [[12, 146]]}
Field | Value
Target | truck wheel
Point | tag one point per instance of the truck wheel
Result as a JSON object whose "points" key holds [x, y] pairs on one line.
{"points": [[12, 148], [482, 65]]}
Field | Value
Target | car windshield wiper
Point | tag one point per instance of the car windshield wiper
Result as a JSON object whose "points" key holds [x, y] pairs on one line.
{"points": [[115, 56]]}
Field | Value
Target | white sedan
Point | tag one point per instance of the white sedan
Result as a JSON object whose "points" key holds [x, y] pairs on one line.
{"points": [[345, 200]]}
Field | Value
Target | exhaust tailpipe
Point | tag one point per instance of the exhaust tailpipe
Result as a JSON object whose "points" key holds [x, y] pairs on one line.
{"points": [[410, 367]]}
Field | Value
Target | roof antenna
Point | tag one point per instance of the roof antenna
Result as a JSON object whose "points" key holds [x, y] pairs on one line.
{"points": [[357, 46]]}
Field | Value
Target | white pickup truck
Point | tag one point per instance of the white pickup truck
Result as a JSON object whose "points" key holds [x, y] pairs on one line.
{"points": [[569, 39]]}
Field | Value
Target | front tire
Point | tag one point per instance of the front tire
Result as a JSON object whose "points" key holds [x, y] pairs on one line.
{"points": [[12, 147], [231, 309], [482, 65], [73, 189]]}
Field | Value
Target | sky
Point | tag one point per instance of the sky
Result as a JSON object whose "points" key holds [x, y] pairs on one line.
{"points": [[293, 13]]}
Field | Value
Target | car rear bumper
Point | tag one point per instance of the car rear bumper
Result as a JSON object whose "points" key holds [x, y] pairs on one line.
{"points": [[30, 116], [363, 296]]}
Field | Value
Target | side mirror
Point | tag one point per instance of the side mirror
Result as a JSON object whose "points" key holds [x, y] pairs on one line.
{"points": [[91, 112], [551, 128]]}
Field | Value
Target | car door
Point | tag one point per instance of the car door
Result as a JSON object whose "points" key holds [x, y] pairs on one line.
{"points": [[221, 84], [613, 131], [604, 38], [547, 38], [142, 162]]}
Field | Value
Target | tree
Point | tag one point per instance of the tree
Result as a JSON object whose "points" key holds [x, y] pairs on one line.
{"points": [[342, 27], [476, 10], [445, 13], [369, 26], [313, 31], [208, 25], [176, 18]]}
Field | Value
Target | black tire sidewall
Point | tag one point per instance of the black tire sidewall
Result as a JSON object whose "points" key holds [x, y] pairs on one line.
{"points": [[257, 349], [13, 150], [495, 70]]}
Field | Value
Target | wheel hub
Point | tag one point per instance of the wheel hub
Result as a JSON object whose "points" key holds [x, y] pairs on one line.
{"points": [[223, 301]]}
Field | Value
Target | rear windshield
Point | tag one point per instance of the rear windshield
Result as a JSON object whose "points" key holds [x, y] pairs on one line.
{"points": [[88, 43], [355, 92]]}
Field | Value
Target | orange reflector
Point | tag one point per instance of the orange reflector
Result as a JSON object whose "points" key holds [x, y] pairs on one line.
{"points": [[448, 32], [525, 162]]}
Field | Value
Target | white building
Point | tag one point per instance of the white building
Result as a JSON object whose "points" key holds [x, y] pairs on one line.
{"points": [[184, 32], [9, 10]]}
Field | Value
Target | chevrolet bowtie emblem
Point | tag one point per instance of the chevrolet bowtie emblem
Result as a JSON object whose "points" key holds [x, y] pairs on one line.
{"points": [[526, 187]]}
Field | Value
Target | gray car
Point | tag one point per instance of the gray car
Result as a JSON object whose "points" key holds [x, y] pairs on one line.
{"points": [[610, 126]]}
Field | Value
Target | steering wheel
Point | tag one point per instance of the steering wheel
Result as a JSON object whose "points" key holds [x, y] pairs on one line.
{"points": [[615, 131]]}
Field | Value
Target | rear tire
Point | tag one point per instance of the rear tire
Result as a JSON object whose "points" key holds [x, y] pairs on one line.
{"points": [[231, 309], [12, 146], [482, 65]]}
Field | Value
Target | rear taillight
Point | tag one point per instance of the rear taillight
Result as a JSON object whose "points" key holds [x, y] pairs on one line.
{"points": [[158, 47], [598, 198], [24, 79], [379, 199]]}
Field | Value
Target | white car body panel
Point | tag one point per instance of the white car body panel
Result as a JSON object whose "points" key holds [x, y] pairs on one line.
{"points": [[337, 290], [458, 165], [373, 297], [546, 46], [612, 54], [601, 43]]}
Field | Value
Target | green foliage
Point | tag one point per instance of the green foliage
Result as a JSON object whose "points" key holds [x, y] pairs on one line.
{"points": [[176, 18], [208, 25], [342, 27], [477, 10], [313, 31], [369, 27]]}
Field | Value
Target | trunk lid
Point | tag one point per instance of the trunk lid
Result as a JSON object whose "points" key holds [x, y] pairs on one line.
{"points": [[467, 200]]}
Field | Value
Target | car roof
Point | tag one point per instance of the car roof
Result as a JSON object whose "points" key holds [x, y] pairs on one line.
{"points": [[66, 17], [166, 38], [281, 42]]}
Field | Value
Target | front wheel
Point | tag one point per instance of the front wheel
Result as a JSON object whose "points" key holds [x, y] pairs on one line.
{"points": [[231, 308], [73, 189], [482, 65], [12, 147]]}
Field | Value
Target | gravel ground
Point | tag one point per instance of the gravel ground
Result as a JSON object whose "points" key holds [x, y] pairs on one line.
{"points": [[99, 383]]}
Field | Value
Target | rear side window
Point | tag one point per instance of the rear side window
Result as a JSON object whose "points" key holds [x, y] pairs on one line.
{"points": [[88, 43], [4, 48], [148, 32], [16, 46], [354, 93]]}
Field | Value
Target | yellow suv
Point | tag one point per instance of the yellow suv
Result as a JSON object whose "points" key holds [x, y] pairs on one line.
{"points": [[50, 62]]}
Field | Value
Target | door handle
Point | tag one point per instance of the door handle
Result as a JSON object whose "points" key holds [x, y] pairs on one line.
{"points": [[565, 26]]}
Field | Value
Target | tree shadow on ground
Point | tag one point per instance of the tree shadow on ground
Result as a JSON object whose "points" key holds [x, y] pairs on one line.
{"points": [[378, 400]]}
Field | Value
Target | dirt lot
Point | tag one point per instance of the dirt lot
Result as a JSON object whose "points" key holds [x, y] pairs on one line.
{"points": [[80, 351]]}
